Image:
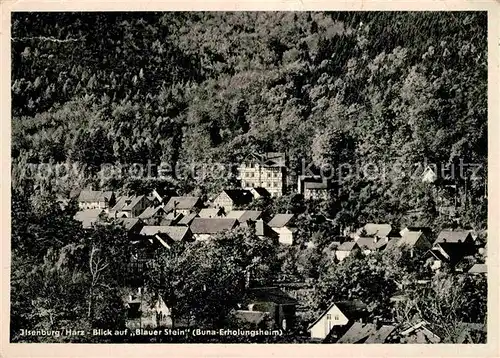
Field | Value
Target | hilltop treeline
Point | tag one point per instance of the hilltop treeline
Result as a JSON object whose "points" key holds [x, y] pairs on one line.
{"points": [[379, 88]]}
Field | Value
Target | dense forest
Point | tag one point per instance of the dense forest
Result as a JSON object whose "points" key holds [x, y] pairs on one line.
{"points": [[347, 89]]}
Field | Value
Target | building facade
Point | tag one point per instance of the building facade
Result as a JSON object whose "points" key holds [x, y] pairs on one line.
{"points": [[267, 171]]}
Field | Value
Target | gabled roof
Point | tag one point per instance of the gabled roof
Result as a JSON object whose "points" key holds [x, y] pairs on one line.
{"points": [[280, 220], [409, 239], [450, 236], [479, 268], [262, 229], [150, 212], [347, 246], [209, 213], [186, 220], [367, 333], [212, 226], [351, 309], [380, 230], [183, 202], [121, 202], [244, 215], [134, 201], [252, 317], [239, 196], [392, 243], [128, 223], [455, 251], [270, 159], [271, 294], [367, 243], [94, 195], [176, 233]]}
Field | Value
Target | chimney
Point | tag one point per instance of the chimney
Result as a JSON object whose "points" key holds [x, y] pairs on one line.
{"points": [[377, 323]]}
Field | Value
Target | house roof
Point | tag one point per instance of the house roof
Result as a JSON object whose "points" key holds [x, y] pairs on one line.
{"points": [[367, 333], [392, 243], [262, 229], [450, 236], [239, 196], [186, 220], [454, 250], [176, 233], [212, 225], [94, 195], [270, 159], [380, 230], [310, 185], [347, 246], [121, 202], [280, 220], [367, 242], [381, 335], [351, 309], [183, 202], [252, 317], [209, 213], [271, 294], [128, 223], [150, 212], [409, 239], [479, 268], [134, 201], [244, 215]]}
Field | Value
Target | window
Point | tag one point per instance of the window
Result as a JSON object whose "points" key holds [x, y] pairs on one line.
{"points": [[269, 184], [329, 317], [252, 174], [337, 317]]}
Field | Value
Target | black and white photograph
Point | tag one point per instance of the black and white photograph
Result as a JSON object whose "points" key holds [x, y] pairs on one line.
{"points": [[299, 177]]}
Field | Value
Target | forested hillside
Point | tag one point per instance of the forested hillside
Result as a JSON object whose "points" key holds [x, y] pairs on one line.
{"points": [[380, 88]]}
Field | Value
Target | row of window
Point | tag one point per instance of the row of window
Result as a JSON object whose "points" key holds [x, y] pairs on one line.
{"points": [[252, 175], [329, 317], [264, 184]]}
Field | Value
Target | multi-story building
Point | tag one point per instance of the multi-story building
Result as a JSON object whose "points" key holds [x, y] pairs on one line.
{"points": [[266, 170]]}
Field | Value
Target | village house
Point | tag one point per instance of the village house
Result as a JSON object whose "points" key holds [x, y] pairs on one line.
{"points": [[89, 217], [345, 249], [338, 314], [371, 244], [413, 240], [262, 230], [478, 269], [96, 199], [312, 187], [203, 228], [266, 170], [280, 306], [133, 226], [283, 225], [451, 236], [129, 206], [184, 204], [187, 219], [229, 199], [145, 312]]}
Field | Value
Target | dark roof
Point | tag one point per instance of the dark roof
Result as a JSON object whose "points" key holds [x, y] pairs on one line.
{"points": [[134, 201], [453, 236], [392, 243], [271, 294], [94, 195], [456, 251], [239, 196], [212, 225], [280, 220], [244, 215], [261, 191], [381, 335], [252, 317], [270, 159], [262, 229], [183, 202]]}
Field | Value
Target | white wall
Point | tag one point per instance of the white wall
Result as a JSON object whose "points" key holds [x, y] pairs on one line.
{"points": [[334, 317]]}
